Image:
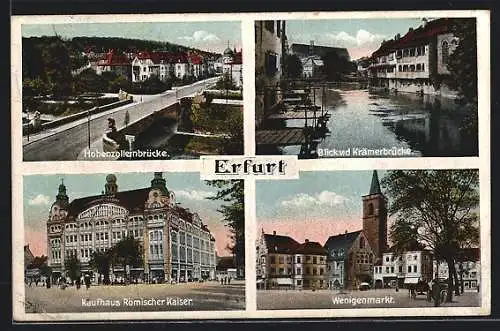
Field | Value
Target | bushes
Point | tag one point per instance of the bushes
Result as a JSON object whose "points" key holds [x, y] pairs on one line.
{"points": [[152, 85]]}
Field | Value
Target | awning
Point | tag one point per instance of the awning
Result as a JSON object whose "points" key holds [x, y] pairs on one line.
{"points": [[284, 281], [411, 280]]}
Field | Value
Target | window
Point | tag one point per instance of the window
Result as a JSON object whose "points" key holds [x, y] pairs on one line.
{"points": [[392, 270], [281, 259], [278, 28], [271, 63], [409, 268], [399, 54], [386, 270], [412, 67], [272, 259], [386, 259], [269, 25], [370, 209], [289, 271], [406, 52], [412, 51], [315, 260], [444, 52], [419, 67], [400, 68], [299, 271], [308, 271], [400, 269], [423, 67], [321, 271], [415, 257], [299, 282], [273, 271], [415, 268], [314, 271]]}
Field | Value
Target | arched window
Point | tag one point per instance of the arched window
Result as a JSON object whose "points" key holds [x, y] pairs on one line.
{"points": [[370, 209], [444, 52]]}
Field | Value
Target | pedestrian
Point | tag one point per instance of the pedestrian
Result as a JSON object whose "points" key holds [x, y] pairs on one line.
{"points": [[221, 280], [87, 281], [436, 293], [229, 280]]}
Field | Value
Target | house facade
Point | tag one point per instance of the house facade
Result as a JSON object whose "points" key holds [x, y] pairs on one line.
{"points": [[270, 42], [403, 269], [282, 262], [175, 243], [409, 63], [350, 260]]}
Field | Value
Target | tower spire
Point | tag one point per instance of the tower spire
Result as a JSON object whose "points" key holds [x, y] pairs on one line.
{"points": [[375, 186], [62, 196]]}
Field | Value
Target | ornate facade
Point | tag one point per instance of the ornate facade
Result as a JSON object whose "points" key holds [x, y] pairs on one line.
{"points": [[176, 245]]}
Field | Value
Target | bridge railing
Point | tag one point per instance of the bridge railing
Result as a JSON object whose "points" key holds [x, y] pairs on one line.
{"points": [[77, 116]]}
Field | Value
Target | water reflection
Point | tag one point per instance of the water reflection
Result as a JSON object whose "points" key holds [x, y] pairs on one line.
{"points": [[421, 124]]}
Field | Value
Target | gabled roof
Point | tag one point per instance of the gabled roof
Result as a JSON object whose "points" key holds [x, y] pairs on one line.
{"points": [[311, 247], [113, 59], [344, 240], [131, 200], [280, 244], [416, 36]]}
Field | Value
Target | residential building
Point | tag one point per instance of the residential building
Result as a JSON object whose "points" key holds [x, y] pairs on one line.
{"points": [[412, 62], [403, 269], [270, 42], [312, 67], [116, 63], [282, 262], [468, 268], [176, 244], [148, 64]]}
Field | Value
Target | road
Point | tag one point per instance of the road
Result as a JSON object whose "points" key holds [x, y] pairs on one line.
{"points": [[67, 141], [326, 299], [195, 296]]}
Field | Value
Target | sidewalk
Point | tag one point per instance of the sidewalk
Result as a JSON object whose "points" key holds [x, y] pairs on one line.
{"points": [[49, 132]]}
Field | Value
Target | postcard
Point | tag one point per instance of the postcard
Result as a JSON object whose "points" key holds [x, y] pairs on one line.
{"points": [[251, 165]]}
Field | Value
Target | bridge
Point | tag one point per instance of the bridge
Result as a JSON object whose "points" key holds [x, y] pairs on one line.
{"points": [[67, 141]]}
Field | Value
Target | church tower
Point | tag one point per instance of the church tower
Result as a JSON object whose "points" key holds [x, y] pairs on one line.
{"points": [[375, 217]]}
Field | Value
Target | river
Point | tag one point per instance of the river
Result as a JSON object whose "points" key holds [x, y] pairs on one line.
{"points": [[418, 125]]}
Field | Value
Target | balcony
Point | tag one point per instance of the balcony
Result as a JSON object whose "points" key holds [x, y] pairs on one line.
{"points": [[412, 75]]}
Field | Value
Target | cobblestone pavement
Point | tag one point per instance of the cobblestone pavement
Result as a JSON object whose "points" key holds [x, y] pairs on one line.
{"points": [[136, 297], [307, 299]]}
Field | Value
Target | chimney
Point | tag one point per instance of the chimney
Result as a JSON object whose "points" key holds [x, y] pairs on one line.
{"points": [[274, 233], [307, 240], [345, 231]]}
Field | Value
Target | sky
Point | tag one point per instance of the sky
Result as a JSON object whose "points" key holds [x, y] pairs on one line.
{"points": [[318, 205], [40, 192], [207, 36], [360, 36]]}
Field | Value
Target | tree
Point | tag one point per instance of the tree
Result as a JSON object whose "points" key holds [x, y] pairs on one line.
{"points": [[232, 191], [336, 65], [101, 262], [72, 267], [437, 209], [225, 83], [462, 63], [127, 252], [293, 66]]}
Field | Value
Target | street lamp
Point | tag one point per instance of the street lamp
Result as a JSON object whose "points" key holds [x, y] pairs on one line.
{"points": [[88, 124]]}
